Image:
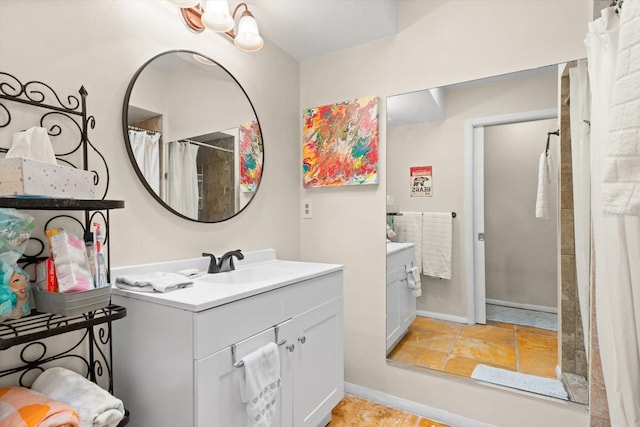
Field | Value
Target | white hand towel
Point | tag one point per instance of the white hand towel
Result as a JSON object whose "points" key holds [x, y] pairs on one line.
{"points": [[437, 238], [95, 406], [545, 176], [261, 385], [158, 282], [408, 227], [413, 281], [621, 175]]}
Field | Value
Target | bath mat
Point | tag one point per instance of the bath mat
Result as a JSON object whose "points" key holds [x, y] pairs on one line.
{"points": [[521, 316], [539, 385]]}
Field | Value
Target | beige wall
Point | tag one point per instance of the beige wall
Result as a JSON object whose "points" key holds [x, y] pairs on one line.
{"points": [[100, 44], [439, 43]]}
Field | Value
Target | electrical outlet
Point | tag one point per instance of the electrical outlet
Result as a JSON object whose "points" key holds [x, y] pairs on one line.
{"points": [[307, 210]]}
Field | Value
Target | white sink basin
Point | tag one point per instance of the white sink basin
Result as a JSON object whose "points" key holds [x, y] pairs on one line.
{"points": [[246, 275], [260, 271]]}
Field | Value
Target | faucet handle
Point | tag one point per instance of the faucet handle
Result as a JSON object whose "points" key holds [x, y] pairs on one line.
{"points": [[213, 263], [226, 261]]}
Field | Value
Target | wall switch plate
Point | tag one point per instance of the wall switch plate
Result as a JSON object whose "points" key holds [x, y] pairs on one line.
{"points": [[307, 210]]}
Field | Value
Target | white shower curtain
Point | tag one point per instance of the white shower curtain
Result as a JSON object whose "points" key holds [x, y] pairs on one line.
{"points": [[183, 178], [580, 107], [145, 150], [616, 238]]}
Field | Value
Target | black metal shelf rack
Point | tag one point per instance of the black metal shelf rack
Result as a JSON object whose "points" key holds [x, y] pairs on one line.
{"points": [[38, 326], [92, 329]]}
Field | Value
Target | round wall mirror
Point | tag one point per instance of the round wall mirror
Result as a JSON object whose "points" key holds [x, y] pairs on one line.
{"points": [[193, 136]]}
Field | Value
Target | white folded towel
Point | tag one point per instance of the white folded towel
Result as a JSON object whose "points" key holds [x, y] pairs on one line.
{"points": [[545, 176], [621, 172], [153, 282], [413, 281], [437, 242], [95, 407], [408, 227], [261, 385]]}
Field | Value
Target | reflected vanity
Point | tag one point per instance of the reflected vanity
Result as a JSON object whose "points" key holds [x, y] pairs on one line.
{"points": [[193, 136], [483, 140]]}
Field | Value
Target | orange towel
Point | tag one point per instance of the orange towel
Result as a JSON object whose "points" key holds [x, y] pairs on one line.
{"points": [[21, 407]]}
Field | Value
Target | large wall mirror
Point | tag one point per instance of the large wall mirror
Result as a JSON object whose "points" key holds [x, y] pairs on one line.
{"points": [[494, 302], [193, 136]]}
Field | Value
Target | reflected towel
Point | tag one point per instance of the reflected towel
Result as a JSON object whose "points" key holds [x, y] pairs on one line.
{"points": [[21, 407], [408, 226], [545, 175], [413, 281], [261, 385], [437, 242], [621, 172], [153, 282], [95, 407]]}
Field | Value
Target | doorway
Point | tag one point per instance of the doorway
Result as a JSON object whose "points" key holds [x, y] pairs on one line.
{"points": [[512, 256]]}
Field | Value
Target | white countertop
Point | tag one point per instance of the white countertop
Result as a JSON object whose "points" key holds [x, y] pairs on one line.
{"points": [[205, 293], [393, 247]]}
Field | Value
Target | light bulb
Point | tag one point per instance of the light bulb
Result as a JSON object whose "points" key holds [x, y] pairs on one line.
{"points": [[248, 37], [185, 4], [216, 16]]}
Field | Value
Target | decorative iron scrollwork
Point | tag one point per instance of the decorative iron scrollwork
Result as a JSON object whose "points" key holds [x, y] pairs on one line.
{"points": [[62, 115]]}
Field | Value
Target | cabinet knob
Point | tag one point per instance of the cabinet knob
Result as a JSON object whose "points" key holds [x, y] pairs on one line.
{"points": [[291, 347], [302, 339]]}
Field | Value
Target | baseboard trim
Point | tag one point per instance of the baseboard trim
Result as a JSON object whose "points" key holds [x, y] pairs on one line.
{"points": [[441, 316], [533, 307], [424, 411]]}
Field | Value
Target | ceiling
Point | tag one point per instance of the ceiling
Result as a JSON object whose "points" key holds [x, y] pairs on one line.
{"points": [[310, 28]]}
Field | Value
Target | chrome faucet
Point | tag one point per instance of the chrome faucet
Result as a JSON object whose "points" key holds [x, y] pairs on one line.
{"points": [[213, 265], [226, 261]]}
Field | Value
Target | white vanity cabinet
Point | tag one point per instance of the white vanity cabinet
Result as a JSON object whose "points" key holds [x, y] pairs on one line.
{"points": [[176, 366], [401, 304]]}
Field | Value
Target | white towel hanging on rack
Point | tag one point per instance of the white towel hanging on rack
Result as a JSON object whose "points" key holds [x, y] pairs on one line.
{"points": [[261, 385], [437, 243]]}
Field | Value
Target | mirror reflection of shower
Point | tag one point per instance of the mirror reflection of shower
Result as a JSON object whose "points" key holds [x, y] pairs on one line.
{"points": [[483, 147]]}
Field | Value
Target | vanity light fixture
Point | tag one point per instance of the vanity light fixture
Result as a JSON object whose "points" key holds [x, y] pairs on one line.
{"points": [[214, 15]]}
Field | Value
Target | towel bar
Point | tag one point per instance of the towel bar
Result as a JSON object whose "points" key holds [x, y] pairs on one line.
{"points": [[240, 364]]}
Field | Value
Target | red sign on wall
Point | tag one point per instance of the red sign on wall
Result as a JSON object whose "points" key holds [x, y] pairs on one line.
{"points": [[421, 181]]}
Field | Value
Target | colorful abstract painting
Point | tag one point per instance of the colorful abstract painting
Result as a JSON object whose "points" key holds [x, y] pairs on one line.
{"points": [[251, 156], [341, 144]]}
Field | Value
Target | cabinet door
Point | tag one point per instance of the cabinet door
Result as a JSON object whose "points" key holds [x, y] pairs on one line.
{"points": [[393, 307], [217, 382], [318, 375], [407, 306]]}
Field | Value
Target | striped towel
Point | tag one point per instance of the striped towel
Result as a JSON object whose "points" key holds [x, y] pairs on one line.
{"points": [[21, 407], [95, 407]]}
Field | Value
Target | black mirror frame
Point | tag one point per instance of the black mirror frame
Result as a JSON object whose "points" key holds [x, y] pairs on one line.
{"points": [[127, 143]]}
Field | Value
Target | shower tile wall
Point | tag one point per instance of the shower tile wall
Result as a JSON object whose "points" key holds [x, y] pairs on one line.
{"points": [[598, 407], [573, 357]]}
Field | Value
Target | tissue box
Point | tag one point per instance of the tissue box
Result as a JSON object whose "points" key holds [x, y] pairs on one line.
{"points": [[24, 177]]}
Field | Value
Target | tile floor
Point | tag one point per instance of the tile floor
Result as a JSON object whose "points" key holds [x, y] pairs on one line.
{"points": [[356, 412], [457, 348]]}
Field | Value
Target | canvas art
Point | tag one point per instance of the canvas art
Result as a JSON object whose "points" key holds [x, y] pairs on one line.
{"points": [[250, 157], [341, 144]]}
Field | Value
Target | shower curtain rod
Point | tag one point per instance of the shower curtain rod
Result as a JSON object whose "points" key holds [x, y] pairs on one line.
{"points": [[202, 144], [149, 131]]}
